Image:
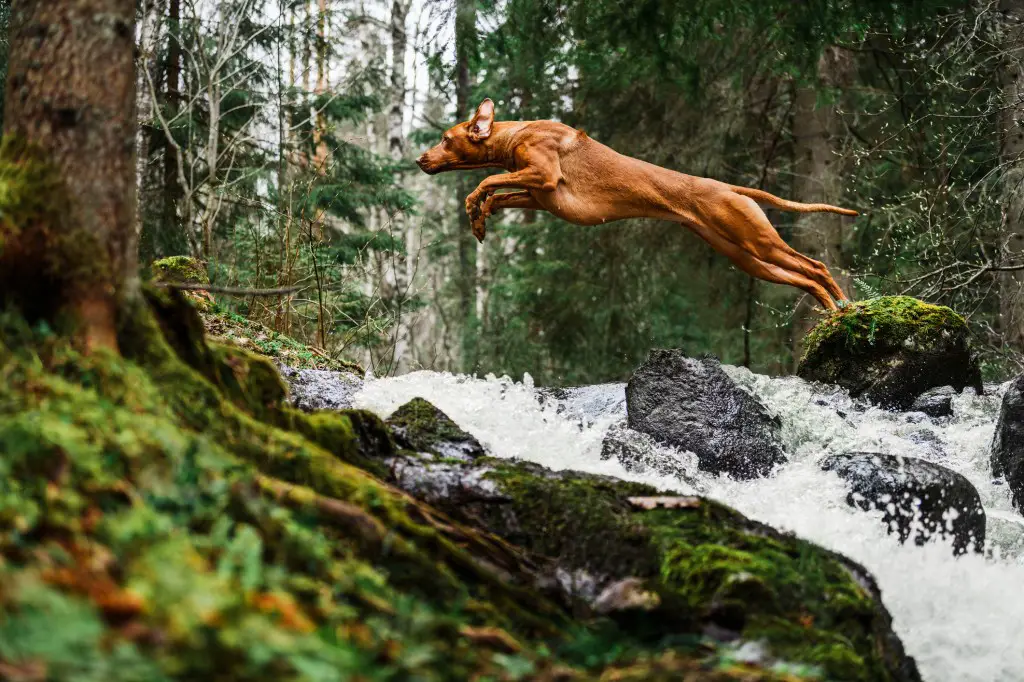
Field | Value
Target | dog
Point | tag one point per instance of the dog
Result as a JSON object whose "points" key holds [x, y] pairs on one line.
{"points": [[556, 168]]}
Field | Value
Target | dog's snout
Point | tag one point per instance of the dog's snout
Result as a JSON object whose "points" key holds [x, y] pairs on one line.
{"points": [[424, 163]]}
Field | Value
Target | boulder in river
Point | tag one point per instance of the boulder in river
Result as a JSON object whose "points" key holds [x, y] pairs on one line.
{"points": [[920, 500], [890, 350], [935, 402], [694, 405], [1008, 441]]}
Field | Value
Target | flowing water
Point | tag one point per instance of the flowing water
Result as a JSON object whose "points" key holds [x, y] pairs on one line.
{"points": [[961, 618]]}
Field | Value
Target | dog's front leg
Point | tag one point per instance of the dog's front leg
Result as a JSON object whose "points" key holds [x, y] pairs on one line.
{"points": [[544, 175]]}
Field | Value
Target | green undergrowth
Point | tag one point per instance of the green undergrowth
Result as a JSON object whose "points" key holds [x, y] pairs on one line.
{"points": [[165, 515], [232, 329], [882, 324]]}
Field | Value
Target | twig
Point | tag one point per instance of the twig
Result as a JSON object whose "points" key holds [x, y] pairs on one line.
{"points": [[234, 291]]}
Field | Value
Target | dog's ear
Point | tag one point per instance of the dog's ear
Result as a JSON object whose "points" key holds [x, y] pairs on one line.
{"points": [[480, 124]]}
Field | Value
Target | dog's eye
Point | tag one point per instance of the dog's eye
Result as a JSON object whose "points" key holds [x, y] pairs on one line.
{"points": [[445, 141]]}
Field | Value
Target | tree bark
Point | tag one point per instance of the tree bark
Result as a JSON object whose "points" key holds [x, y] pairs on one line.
{"points": [[71, 93], [1011, 152], [818, 165]]}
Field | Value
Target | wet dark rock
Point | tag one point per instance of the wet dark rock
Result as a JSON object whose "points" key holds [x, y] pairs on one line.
{"points": [[694, 405], [1008, 441], [890, 350], [421, 427], [920, 500], [935, 402], [639, 453], [318, 389]]}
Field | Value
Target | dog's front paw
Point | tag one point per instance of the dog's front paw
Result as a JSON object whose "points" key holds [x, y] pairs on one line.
{"points": [[479, 228]]}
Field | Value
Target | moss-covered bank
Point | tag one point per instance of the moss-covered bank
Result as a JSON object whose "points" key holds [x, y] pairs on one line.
{"points": [[891, 350], [165, 515]]}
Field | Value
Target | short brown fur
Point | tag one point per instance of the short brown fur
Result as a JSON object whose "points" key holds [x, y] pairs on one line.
{"points": [[559, 169]]}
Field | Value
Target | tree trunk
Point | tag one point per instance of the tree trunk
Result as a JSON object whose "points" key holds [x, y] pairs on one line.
{"points": [[71, 93], [172, 76], [465, 44], [400, 224], [322, 54], [816, 148], [1011, 152]]}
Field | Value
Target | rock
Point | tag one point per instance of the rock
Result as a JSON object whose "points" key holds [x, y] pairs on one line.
{"points": [[1008, 441], [639, 453], [935, 402], [694, 405], [920, 499], [317, 389], [184, 270], [689, 567], [890, 350], [421, 427], [628, 593]]}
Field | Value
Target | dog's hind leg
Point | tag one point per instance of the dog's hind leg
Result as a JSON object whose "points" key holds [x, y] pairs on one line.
{"points": [[748, 261], [741, 221]]}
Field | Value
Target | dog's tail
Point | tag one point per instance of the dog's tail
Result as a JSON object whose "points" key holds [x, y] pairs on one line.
{"points": [[763, 197]]}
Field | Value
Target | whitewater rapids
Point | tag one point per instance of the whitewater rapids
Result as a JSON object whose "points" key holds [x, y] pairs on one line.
{"points": [[961, 618]]}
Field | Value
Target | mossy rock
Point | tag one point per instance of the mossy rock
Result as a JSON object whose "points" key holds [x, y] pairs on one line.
{"points": [[664, 566], [184, 270], [890, 350], [418, 425], [180, 270]]}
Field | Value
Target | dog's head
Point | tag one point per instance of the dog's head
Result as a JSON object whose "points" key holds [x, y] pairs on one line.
{"points": [[463, 146]]}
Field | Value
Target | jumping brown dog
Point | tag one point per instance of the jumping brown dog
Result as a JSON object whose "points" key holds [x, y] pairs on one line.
{"points": [[561, 170]]}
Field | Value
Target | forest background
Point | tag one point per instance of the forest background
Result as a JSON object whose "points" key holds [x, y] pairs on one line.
{"points": [[276, 140]]}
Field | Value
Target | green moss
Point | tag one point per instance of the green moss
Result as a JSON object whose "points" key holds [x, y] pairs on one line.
{"points": [[36, 229], [207, 517], [890, 350], [251, 381], [422, 427], [881, 324], [181, 270]]}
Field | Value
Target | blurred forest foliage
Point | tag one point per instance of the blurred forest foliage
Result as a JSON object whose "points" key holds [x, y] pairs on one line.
{"points": [[276, 139]]}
